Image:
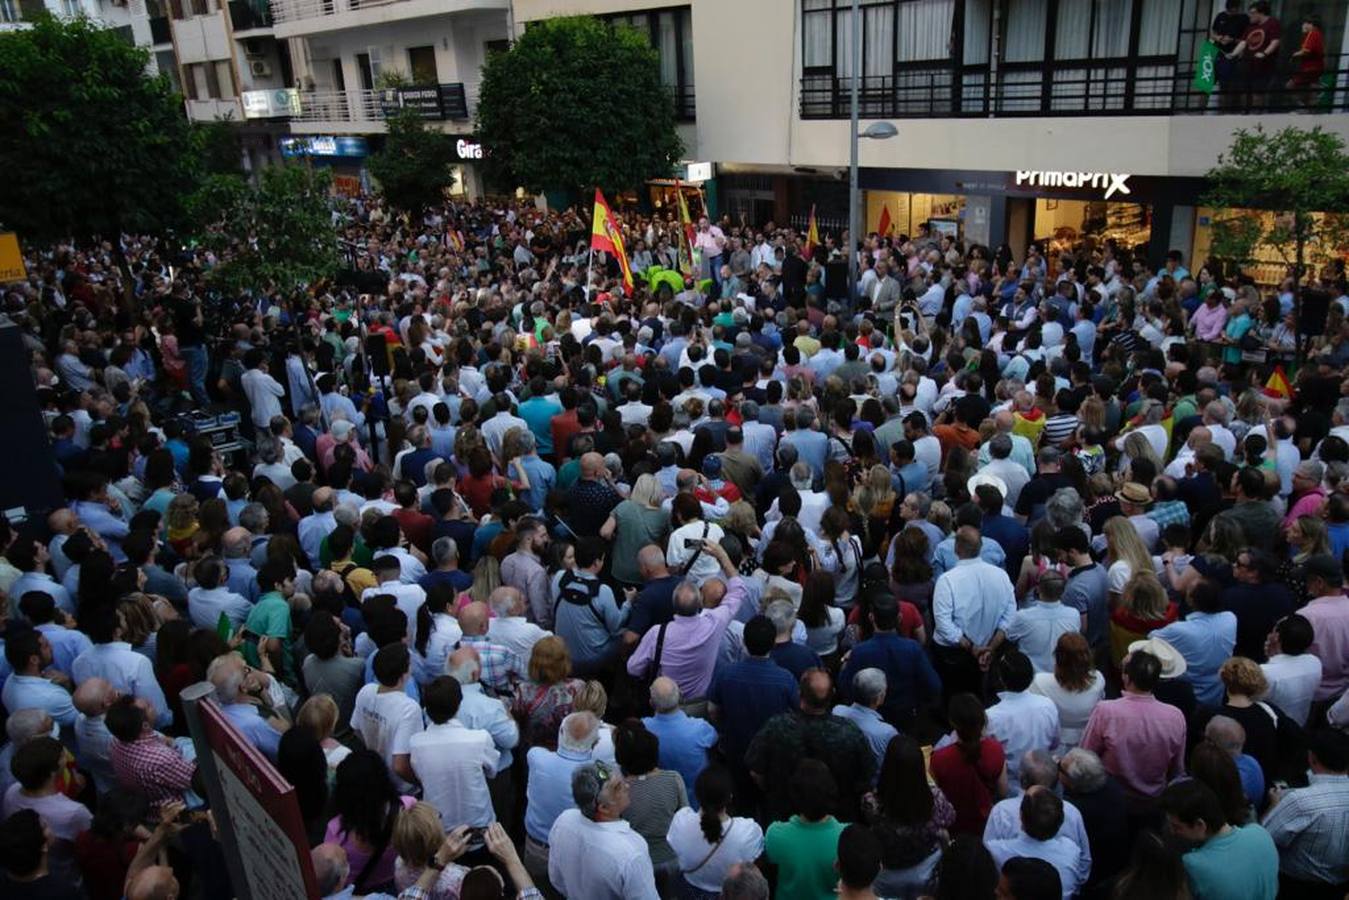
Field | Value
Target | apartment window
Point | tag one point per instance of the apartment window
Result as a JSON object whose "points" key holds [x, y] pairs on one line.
{"points": [[422, 63], [165, 63], [9, 11], [670, 31], [71, 8], [224, 79]]}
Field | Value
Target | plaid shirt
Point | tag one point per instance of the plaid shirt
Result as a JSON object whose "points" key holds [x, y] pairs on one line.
{"points": [[414, 892], [1169, 512], [501, 668], [149, 765]]}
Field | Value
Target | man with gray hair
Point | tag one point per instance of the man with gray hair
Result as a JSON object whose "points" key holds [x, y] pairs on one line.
{"points": [[232, 679], [549, 792], [331, 870], [1001, 465], [868, 692], [1098, 798], [254, 517], [1230, 735], [787, 653], [1023, 453], [1309, 494], [593, 852], [509, 627], [813, 503], [22, 726], [761, 439], [744, 881], [445, 558], [1037, 627], [1004, 820], [684, 740]]}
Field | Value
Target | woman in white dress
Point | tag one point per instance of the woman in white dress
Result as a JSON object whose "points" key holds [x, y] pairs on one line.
{"points": [[709, 841], [1074, 686]]}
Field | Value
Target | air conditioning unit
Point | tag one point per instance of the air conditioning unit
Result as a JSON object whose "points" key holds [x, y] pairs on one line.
{"points": [[260, 68], [253, 48]]}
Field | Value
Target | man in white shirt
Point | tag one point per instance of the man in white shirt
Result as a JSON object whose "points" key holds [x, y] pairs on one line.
{"points": [[494, 429], [1020, 720], [386, 718], [1216, 417], [1001, 465], [1041, 819], [813, 503], [972, 606], [211, 597], [452, 761], [113, 660], [1293, 673], [407, 597], [1039, 769], [264, 392], [509, 627], [593, 852], [92, 738]]}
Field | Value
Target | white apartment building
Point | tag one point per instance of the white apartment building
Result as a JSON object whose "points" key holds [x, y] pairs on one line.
{"points": [[1002, 107]]}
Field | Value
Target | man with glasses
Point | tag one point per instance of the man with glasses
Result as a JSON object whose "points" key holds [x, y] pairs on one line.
{"points": [[594, 853], [1258, 599]]}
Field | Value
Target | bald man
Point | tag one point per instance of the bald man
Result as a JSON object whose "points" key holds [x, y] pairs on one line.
{"points": [[317, 525], [592, 497], [331, 870], [243, 577], [501, 668], [509, 627], [63, 523], [92, 738], [653, 605]]}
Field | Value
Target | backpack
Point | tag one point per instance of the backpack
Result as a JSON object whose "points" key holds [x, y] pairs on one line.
{"points": [[580, 591], [349, 598]]}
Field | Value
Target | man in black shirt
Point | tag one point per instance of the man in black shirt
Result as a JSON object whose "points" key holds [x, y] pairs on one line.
{"points": [[1228, 27], [187, 319], [1030, 506]]}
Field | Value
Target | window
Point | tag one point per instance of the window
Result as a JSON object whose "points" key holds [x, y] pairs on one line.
{"points": [[165, 63], [9, 11], [422, 64], [670, 31], [224, 78]]}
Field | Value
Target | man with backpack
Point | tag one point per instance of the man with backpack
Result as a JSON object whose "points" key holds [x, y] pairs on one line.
{"points": [[585, 615]]}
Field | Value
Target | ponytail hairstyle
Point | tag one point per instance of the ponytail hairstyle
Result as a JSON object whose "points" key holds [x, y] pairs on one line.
{"points": [[968, 718], [713, 790], [438, 600]]}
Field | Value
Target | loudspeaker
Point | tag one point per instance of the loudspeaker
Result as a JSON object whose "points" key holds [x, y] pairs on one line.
{"points": [[1315, 307], [377, 351], [836, 280], [30, 483]]}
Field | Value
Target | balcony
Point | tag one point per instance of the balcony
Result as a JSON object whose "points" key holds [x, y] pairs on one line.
{"points": [[369, 108], [1148, 86], [685, 107], [297, 17], [248, 15]]}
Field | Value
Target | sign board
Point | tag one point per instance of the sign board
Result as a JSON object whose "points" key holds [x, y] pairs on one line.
{"points": [[264, 813], [467, 149], [324, 145], [11, 259], [425, 100], [1107, 184], [272, 104], [699, 171]]}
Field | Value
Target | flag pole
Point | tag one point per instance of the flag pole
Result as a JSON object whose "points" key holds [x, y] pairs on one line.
{"points": [[590, 262]]}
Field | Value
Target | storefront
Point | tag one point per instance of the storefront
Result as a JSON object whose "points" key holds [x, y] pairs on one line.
{"points": [[467, 168], [698, 184], [1057, 209], [345, 155]]}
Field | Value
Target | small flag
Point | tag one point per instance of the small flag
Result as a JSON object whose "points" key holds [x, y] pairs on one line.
{"points": [[1206, 68], [605, 235], [1277, 386], [686, 235], [885, 223], [812, 235]]}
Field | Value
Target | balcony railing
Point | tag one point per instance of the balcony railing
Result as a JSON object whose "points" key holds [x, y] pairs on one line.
{"points": [[1145, 85], [246, 15], [685, 107], [296, 10], [456, 104]]}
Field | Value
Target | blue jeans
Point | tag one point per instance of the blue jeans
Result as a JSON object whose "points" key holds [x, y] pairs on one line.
{"points": [[196, 372], [714, 267]]}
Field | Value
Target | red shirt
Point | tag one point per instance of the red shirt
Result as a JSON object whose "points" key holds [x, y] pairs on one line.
{"points": [[972, 789], [564, 427], [477, 492], [1313, 58], [104, 864], [416, 527]]}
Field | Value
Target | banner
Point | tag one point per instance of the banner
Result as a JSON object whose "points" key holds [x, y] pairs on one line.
{"points": [[1205, 68]]}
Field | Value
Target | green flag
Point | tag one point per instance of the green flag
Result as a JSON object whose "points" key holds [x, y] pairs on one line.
{"points": [[1205, 69]]}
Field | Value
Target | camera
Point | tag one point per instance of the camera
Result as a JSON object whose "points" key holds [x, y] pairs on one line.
{"points": [[692, 543]]}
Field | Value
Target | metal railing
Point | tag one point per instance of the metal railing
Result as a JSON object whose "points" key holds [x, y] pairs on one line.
{"points": [[685, 105], [457, 103], [297, 10], [1144, 85]]}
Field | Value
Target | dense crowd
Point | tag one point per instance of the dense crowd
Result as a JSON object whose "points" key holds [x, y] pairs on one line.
{"points": [[999, 577]]}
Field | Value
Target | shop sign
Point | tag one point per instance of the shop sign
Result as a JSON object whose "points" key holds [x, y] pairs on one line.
{"points": [[11, 259], [272, 104], [1111, 182], [425, 101], [467, 149], [699, 171], [324, 145]]}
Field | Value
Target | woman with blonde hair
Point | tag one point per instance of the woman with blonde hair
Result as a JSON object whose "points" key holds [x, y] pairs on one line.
{"points": [[417, 834], [318, 715], [1307, 537], [1143, 608], [633, 524], [1137, 446], [541, 703], [1244, 683], [593, 698], [181, 526], [1075, 686], [486, 578], [878, 504], [1092, 412], [1126, 556]]}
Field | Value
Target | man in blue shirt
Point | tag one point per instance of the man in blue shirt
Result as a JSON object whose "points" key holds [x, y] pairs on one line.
{"points": [[795, 658], [684, 740], [869, 689], [529, 469], [909, 676], [1205, 638], [29, 654], [586, 616], [1005, 531]]}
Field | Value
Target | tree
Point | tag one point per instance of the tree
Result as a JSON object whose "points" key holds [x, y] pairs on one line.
{"points": [[1302, 176], [218, 144], [413, 169], [89, 143], [278, 235], [575, 104]]}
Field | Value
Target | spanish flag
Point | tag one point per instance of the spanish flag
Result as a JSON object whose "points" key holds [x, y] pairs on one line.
{"points": [[1277, 386], [812, 235], [605, 235], [885, 225], [686, 233]]}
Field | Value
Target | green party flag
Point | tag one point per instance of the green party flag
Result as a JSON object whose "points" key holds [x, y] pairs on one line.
{"points": [[1205, 69]]}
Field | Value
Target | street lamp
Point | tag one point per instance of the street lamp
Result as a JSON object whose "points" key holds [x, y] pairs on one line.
{"points": [[877, 131]]}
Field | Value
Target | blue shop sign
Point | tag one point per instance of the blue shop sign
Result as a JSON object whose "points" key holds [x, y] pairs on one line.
{"points": [[325, 146]]}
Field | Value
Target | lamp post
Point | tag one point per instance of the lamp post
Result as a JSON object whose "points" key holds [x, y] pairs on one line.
{"points": [[878, 131]]}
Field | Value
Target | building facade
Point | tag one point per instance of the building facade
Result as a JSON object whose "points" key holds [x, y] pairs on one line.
{"points": [[1019, 120]]}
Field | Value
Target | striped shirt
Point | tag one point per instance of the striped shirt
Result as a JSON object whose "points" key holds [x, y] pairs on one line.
{"points": [[1310, 826]]}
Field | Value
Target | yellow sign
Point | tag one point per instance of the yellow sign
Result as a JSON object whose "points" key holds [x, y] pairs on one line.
{"points": [[11, 259]]}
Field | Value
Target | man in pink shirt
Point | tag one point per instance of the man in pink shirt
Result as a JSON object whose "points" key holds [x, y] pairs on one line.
{"points": [[1329, 615], [1210, 318], [1140, 739], [1308, 493]]}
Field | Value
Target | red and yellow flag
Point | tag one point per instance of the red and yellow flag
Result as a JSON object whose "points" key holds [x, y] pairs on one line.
{"points": [[686, 234], [812, 234], [885, 223], [1277, 385], [605, 235]]}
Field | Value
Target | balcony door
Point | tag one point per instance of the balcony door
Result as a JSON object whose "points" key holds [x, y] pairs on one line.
{"points": [[422, 65]]}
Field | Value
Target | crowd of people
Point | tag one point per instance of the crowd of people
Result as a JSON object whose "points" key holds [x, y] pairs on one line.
{"points": [[1003, 576]]}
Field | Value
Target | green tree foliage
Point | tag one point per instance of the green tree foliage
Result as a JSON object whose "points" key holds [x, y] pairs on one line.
{"points": [[89, 143], [413, 169], [576, 103], [277, 235], [1295, 173], [218, 144]]}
